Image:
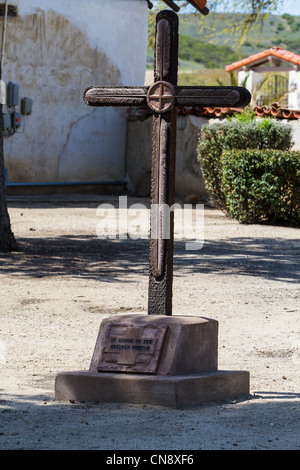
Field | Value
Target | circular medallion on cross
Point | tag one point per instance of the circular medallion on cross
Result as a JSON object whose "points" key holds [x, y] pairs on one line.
{"points": [[161, 97]]}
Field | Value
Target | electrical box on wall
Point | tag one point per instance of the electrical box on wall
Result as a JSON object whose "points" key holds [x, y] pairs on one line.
{"points": [[15, 120], [26, 106], [12, 95], [12, 120], [6, 122]]}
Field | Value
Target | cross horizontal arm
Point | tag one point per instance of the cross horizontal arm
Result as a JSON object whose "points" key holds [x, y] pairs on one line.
{"points": [[209, 96], [204, 96], [115, 96]]}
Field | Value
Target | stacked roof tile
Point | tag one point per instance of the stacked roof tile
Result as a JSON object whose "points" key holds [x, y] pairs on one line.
{"points": [[261, 57], [262, 111], [277, 111]]}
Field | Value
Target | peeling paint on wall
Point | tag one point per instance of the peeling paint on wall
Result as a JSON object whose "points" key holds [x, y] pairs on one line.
{"points": [[53, 61]]}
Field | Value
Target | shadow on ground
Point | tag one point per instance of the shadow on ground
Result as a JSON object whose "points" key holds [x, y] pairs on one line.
{"points": [[92, 258], [35, 422]]}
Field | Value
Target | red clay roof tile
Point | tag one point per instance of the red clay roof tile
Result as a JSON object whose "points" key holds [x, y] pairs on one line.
{"points": [[277, 52], [261, 111]]}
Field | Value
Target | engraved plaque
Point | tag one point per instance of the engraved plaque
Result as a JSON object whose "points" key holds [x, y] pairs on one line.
{"points": [[129, 348]]}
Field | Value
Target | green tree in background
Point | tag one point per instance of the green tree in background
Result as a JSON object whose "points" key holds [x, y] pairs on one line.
{"points": [[251, 13]]}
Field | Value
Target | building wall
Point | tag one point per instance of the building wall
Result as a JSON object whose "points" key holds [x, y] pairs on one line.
{"points": [[54, 50], [188, 177], [294, 94], [295, 124], [254, 79]]}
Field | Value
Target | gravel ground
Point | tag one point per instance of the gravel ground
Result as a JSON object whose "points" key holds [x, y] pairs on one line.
{"points": [[64, 280]]}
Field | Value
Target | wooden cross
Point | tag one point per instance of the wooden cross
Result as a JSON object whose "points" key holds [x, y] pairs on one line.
{"points": [[162, 99]]}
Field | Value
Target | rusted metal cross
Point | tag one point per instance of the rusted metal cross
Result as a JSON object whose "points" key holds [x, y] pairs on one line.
{"points": [[162, 99]]}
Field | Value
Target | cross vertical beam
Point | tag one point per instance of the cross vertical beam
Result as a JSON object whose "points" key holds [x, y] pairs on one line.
{"points": [[163, 168]]}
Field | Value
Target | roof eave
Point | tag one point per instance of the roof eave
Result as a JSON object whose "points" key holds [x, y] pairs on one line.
{"points": [[247, 65]]}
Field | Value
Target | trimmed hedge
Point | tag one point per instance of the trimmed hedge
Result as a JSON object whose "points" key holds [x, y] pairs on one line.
{"points": [[241, 132], [262, 186]]}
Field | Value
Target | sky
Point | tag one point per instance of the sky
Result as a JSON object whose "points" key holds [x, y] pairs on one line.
{"points": [[290, 6]]}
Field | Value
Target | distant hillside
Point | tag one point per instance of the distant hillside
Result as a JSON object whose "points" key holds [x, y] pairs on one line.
{"points": [[283, 31], [201, 52], [204, 52]]}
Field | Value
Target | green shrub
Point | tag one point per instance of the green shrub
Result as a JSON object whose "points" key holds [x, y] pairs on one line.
{"points": [[262, 185], [240, 132]]}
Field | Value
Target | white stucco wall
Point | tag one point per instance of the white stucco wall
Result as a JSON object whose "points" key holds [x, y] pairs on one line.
{"points": [[254, 79], [117, 27], [54, 50], [294, 90], [295, 124], [188, 177]]}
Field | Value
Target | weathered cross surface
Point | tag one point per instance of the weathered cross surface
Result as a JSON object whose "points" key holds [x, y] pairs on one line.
{"points": [[162, 99]]}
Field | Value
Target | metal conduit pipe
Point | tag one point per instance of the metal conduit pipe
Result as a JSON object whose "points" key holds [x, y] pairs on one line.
{"points": [[3, 38], [65, 183], [71, 183]]}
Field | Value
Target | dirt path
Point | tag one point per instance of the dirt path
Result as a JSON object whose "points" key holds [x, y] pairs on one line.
{"points": [[65, 280]]}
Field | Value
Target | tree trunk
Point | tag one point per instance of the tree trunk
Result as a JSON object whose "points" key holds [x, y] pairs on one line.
{"points": [[7, 239]]}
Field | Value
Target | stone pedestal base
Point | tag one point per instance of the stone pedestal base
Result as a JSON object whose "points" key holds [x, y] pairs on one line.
{"points": [[154, 360], [175, 391]]}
